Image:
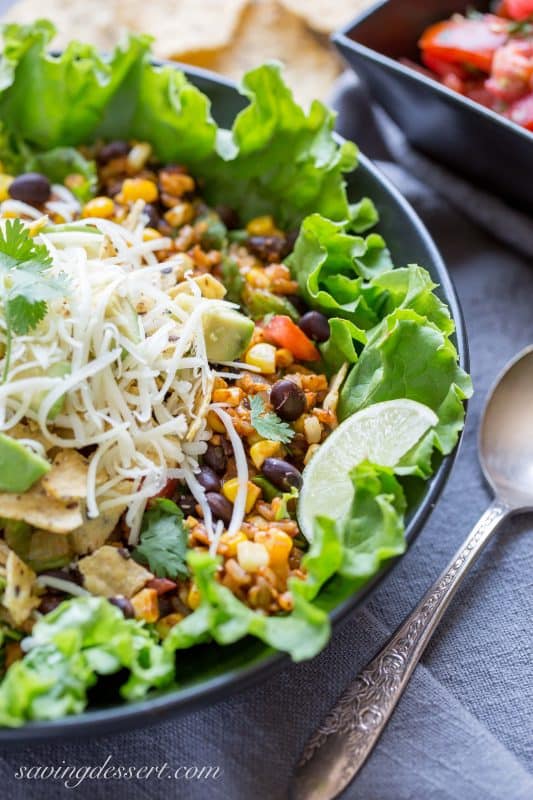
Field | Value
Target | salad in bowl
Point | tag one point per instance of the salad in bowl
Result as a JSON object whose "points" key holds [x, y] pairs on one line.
{"points": [[215, 386]]}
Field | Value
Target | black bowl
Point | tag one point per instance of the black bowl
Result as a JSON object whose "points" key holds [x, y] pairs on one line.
{"points": [[248, 661], [491, 150]]}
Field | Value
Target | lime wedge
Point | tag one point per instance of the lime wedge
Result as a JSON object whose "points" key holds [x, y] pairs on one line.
{"points": [[381, 433]]}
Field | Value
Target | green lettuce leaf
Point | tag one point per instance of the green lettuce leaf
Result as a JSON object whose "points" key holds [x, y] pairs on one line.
{"points": [[276, 159], [374, 529], [81, 639], [386, 370]]}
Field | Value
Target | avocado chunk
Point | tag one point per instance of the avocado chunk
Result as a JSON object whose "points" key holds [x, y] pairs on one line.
{"points": [[17, 535], [20, 468], [227, 334], [48, 551], [58, 370]]}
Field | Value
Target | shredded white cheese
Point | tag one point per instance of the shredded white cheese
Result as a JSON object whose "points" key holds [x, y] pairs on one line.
{"points": [[135, 370], [241, 465]]}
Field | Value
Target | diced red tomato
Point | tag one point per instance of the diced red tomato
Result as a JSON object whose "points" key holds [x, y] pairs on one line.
{"points": [[521, 112], [519, 9], [470, 42], [512, 71], [168, 490], [282, 331]]}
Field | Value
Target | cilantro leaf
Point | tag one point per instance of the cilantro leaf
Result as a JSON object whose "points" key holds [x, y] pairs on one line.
{"points": [[26, 283], [268, 424], [163, 540]]}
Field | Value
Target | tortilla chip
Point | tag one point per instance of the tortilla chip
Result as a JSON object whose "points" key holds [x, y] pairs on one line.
{"points": [[19, 597], [107, 573], [268, 31], [67, 480], [37, 508], [29, 430], [325, 16], [183, 26], [95, 22], [95, 532]]}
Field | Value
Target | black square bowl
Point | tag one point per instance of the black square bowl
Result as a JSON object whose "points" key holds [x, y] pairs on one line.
{"points": [[479, 144]]}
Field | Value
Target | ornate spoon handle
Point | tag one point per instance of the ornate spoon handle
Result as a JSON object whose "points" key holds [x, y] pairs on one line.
{"points": [[338, 749]]}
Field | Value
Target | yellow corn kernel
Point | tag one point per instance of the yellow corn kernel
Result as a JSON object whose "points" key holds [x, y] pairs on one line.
{"points": [[231, 396], [312, 430], [138, 189], [5, 183], [257, 278], [215, 423], [299, 424], [193, 597], [311, 450], [253, 438], [263, 356], [149, 234], [231, 540], [165, 624], [262, 450], [261, 226], [284, 357], [102, 207], [210, 287], [278, 545], [180, 214], [252, 556], [37, 226], [145, 605], [138, 156], [231, 487]]}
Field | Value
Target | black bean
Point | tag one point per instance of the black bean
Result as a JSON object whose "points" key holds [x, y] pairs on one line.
{"points": [[288, 400], [153, 215], [31, 187], [220, 507], [112, 150], [165, 605], [315, 325], [298, 302], [229, 217], [282, 474], [267, 248], [290, 241], [187, 503], [124, 605], [208, 478], [215, 457], [50, 602]]}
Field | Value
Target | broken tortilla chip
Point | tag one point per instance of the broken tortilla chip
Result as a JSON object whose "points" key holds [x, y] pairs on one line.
{"points": [[37, 508], [67, 480], [19, 598], [95, 532], [108, 573], [96, 23], [183, 26], [268, 31], [323, 15]]}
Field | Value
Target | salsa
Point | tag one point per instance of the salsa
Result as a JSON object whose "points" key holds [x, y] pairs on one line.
{"points": [[486, 57]]}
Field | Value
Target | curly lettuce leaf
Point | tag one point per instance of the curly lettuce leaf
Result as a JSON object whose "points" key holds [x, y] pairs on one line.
{"points": [[276, 159], [81, 639], [409, 356], [374, 529]]}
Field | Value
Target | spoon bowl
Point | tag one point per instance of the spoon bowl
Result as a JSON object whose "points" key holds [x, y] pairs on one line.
{"points": [[506, 434]]}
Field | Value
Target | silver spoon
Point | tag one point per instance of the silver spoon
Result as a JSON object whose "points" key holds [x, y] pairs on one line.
{"points": [[336, 751]]}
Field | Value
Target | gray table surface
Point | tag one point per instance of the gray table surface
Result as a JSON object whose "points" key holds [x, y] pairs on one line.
{"points": [[463, 729]]}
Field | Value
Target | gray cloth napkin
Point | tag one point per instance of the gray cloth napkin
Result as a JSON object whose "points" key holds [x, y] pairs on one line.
{"points": [[463, 728]]}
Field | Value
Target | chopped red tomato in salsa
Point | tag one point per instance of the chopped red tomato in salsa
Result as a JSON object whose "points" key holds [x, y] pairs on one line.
{"points": [[486, 57]]}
